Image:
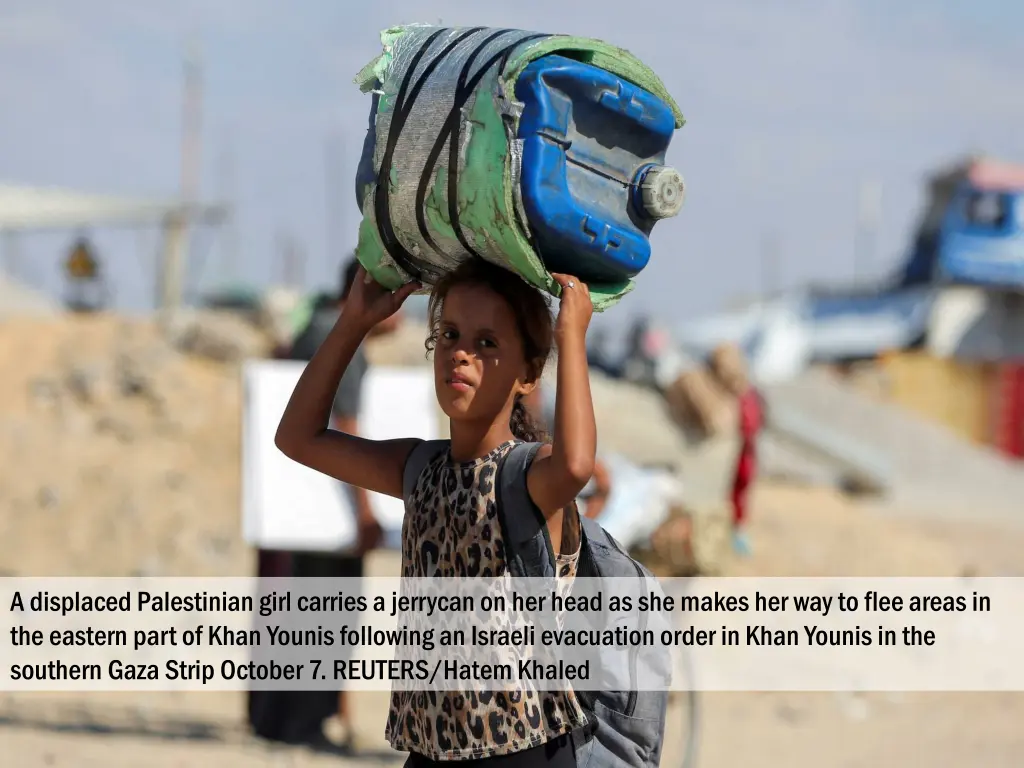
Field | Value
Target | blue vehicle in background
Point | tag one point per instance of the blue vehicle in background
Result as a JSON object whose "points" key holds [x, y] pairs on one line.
{"points": [[974, 231], [971, 233]]}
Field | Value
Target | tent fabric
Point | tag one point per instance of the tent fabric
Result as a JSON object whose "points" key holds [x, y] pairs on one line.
{"points": [[40, 208]]}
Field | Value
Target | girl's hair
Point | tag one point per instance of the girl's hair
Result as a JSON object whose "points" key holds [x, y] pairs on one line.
{"points": [[533, 321]]}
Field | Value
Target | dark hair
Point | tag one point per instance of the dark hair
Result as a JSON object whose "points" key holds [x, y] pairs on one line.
{"points": [[533, 321]]}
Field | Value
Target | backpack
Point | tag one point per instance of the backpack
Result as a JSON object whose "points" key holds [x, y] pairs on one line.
{"points": [[625, 728]]}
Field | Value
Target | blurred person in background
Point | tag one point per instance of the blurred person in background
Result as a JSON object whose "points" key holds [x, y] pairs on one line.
{"points": [[300, 717], [647, 346], [730, 369]]}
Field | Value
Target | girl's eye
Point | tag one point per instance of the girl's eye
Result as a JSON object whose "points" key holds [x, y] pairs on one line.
{"points": [[449, 335], [487, 344]]}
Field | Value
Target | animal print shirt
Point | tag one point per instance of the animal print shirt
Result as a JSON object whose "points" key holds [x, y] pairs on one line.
{"points": [[451, 528]]}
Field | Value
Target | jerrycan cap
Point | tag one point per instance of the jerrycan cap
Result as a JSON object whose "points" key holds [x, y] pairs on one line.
{"points": [[661, 191]]}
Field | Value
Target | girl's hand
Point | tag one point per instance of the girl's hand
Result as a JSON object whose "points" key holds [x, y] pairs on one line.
{"points": [[575, 308], [369, 303]]}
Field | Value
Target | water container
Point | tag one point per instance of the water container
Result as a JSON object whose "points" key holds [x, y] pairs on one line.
{"points": [[593, 179], [441, 177]]}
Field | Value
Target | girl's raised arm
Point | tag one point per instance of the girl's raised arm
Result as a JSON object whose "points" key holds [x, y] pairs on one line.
{"points": [[560, 470], [304, 434]]}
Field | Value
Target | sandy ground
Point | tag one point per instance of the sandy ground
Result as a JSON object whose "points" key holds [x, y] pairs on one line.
{"points": [[796, 532], [118, 454]]}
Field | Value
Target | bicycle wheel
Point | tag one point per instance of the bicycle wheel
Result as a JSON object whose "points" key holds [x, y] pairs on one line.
{"points": [[690, 716], [685, 749]]}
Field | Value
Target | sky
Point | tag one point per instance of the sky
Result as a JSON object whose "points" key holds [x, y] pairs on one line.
{"points": [[791, 107]]}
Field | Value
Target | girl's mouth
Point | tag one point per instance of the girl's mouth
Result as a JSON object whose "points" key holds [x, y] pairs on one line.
{"points": [[459, 384]]}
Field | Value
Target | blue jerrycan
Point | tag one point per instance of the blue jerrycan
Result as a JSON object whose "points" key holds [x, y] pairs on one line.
{"points": [[593, 180]]}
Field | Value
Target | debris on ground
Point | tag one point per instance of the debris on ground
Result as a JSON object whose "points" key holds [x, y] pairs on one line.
{"points": [[221, 336], [119, 452], [688, 543]]}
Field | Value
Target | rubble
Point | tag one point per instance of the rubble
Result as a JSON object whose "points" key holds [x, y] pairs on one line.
{"points": [[689, 543], [120, 450], [220, 336]]}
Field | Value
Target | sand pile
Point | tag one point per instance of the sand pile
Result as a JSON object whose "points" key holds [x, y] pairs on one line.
{"points": [[119, 453]]}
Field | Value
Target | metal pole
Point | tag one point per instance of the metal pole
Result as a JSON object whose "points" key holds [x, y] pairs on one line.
{"points": [[230, 260], [293, 260], [869, 215], [332, 198], [177, 235]]}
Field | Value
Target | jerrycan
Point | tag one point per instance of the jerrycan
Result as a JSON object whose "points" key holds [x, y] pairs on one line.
{"points": [[593, 179]]}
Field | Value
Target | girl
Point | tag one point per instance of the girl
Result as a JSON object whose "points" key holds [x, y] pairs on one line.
{"points": [[491, 334]]}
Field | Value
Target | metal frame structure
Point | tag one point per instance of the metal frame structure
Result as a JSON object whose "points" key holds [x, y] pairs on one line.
{"points": [[43, 209]]}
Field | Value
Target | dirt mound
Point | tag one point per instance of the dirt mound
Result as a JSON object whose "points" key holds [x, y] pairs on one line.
{"points": [[119, 452]]}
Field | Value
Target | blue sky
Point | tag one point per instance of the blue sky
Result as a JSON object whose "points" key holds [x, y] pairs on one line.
{"points": [[790, 106]]}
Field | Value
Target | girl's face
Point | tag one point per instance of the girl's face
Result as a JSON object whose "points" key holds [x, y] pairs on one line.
{"points": [[479, 364]]}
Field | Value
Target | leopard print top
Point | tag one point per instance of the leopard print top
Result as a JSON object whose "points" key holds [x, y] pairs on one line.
{"points": [[451, 529]]}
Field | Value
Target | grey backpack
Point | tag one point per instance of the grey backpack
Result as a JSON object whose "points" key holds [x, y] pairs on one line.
{"points": [[626, 727]]}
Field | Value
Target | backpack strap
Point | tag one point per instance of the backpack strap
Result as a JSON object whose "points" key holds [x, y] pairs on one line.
{"points": [[527, 541], [529, 549], [419, 457], [590, 532]]}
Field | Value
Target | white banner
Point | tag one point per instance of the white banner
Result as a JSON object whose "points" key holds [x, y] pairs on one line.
{"points": [[288, 506]]}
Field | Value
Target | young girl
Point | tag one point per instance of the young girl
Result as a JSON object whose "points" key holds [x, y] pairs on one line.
{"points": [[491, 334]]}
